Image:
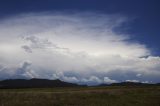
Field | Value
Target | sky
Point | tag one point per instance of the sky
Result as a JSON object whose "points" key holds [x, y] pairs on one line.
{"points": [[80, 41]]}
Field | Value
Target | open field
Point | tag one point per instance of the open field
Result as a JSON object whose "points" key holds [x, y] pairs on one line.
{"points": [[82, 96]]}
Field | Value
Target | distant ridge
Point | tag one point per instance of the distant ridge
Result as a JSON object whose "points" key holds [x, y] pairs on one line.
{"points": [[129, 84], [46, 83], [34, 83]]}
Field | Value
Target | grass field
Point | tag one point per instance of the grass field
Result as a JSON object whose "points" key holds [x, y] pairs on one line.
{"points": [[82, 96]]}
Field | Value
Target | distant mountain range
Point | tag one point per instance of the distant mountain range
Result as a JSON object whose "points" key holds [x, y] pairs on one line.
{"points": [[129, 84], [45, 83], [34, 83]]}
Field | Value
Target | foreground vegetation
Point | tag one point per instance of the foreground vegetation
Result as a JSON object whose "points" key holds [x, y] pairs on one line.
{"points": [[82, 96]]}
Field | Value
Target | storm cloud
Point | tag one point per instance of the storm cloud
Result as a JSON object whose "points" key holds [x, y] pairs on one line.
{"points": [[83, 48]]}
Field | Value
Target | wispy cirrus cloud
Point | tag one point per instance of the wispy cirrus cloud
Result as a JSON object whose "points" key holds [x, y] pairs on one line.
{"points": [[80, 47]]}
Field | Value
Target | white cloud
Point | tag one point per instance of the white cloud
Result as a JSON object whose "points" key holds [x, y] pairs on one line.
{"points": [[132, 80], [22, 70], [60, 75], [83, 47], [108, 80], [92, 80], [139, 75]]}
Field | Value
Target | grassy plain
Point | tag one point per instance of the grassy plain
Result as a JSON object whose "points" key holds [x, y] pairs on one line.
{"points": [[82, 96]]}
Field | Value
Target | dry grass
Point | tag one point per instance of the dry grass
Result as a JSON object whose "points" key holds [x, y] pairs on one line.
{"points": [[87, 96]]}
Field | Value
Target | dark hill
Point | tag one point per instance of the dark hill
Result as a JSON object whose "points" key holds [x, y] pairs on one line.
{"points": [[34, 83], [130, 84]]}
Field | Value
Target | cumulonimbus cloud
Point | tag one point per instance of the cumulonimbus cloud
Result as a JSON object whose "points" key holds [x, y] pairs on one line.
{"points": [[81, 47]]}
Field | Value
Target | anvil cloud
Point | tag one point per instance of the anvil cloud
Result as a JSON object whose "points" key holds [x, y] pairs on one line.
{"points": [[82, 48]]}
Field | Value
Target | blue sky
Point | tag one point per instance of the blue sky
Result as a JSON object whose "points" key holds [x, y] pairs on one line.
{"points": [[108, 40]]}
